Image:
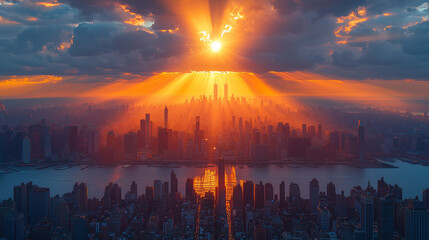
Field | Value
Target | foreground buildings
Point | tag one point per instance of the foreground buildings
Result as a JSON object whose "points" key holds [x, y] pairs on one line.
{"points": [[251, 211]]}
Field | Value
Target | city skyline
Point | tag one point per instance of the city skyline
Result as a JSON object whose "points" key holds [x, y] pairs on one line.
{"points": [[214, 119]]}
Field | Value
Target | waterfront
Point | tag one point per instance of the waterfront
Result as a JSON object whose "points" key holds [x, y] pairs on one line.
{"points": [[412, 178]]}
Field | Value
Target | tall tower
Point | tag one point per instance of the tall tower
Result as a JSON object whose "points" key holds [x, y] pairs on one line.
{"points": [[221, 187], [215, 96], [197, 134], [225, 92], [165, 117], [361, 141], [314, 194], [148, 135], [26, 150]]}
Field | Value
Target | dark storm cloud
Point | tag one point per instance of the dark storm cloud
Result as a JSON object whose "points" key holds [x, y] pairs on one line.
{"points": [[90, 37], [337, 8]]}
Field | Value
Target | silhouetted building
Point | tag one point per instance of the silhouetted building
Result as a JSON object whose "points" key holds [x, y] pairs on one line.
{"points": [[314, 194], [173, 181], [259, 196], [38, 204], [248, 194], [386, 218]]}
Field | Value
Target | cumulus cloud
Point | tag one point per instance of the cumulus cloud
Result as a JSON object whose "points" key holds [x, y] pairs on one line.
{"points": [[357, 39]]}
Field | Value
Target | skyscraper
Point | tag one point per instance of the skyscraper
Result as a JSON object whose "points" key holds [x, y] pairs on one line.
{"points": [[162, 140], [248, 194], [189, 190], [130, 145], [386, 218], [416, 221], [215, 93], [197, 140], [38, 204], [221, 186], [148, 135], [80, 192], [367, 215], [237, 197], [314, 194], [26, 150], [165, 117], [173, 181], [225, 92], [269, 192], [361, 141], [259, 196], [142, 136], [282, 194], [14, 226], [426, 198], [294, 192], [331, 192], [157, 189]]}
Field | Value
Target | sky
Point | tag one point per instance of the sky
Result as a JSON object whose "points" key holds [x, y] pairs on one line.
{"points": [[79, 44]]}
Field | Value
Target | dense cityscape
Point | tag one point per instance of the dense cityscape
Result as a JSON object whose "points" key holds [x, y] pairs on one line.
{"points": [[244, 210], [214, 119], [250, 131]]}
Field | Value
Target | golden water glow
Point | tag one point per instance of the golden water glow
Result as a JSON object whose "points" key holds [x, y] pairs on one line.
{"points": [[208, 182]]}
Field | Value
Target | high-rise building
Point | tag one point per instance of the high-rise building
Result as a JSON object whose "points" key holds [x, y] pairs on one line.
{"points": [[130, 145], [221, 186], [225, 92], [190, 191], [79, 228], [80, 192], [366, 214], [314, 194], [162, 140], [197, 139], [142, 132], [282, 194], [173, 181], [248, 194], [165, 117], [361, 141], [215, 92], [93, 141], [416, 221], [294, 192], [26, 150], [165, 189], [386, 218], [148, 130], [237, 197], [59, 213], [157, 189], [38, 204], [426, 198], [259, 196], [134, 189], [21, 196], [323, 218], [269, 192], [14, 226], [331, 192]]}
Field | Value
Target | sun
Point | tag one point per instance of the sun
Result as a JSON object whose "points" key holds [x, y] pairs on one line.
{"points": [[216, 46]]}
